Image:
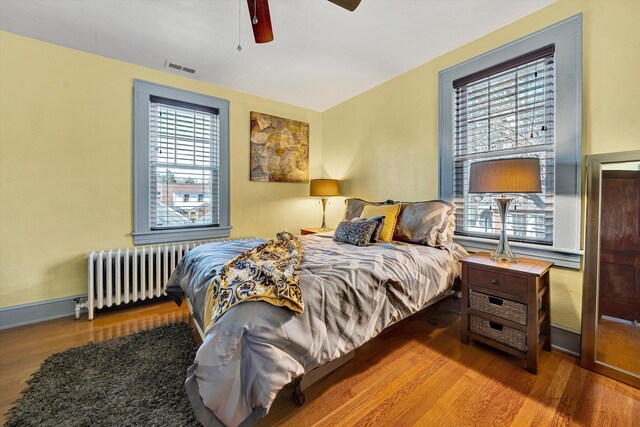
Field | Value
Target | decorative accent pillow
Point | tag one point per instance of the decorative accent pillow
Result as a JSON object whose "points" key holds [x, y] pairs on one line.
{"points": [[353, 207], [390, 212], [375, 237], [425, 223], [355, 232]]}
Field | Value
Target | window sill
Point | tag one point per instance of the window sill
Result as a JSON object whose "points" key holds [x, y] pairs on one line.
{"points": [[567, 258], [168, 236]]}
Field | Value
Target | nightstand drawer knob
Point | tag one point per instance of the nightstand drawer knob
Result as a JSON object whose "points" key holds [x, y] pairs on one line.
{"points": [[495, 282], [496, 301]]}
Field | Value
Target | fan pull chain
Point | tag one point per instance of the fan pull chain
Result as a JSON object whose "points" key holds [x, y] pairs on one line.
{"points": [[239, 25], [254, 21]]}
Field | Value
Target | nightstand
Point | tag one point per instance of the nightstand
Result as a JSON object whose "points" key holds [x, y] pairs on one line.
{"points": [[506, 305], [305, 231]]}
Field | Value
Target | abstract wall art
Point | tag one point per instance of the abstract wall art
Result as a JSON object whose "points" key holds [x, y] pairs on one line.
{"points": [[279, 149]]}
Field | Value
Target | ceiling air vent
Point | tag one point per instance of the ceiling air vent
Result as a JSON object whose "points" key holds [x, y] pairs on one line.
{"points": [[179, 67]]}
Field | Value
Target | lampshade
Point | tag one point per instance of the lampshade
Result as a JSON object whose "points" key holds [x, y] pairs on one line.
{"points": [[505, 176], [324, 187]]}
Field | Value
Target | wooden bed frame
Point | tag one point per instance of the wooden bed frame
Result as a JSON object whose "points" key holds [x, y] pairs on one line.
{"points": [[305, 381]]}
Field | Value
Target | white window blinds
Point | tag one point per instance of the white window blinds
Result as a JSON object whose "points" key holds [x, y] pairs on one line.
{"points": [[183, 165], [504, 112]]}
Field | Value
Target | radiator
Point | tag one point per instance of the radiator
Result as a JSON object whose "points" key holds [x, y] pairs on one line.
{"points": [[121, 276]]}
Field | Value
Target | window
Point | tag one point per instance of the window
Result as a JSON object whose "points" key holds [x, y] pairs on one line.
{"points": [[520, 100], [504, 112], [181, 165]]}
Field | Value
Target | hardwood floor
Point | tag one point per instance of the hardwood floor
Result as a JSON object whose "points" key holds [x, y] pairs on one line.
{"points": [[418, 374], [414, 374]]}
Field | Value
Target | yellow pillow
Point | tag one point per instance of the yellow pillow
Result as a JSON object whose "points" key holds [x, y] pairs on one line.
{"points": [[390, 214]]}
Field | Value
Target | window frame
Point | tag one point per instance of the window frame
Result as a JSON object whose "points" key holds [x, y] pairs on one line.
{"points": [[143, 233], [566, 36]]}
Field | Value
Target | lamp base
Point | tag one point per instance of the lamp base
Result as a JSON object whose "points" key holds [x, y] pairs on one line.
{"points": [[503, 251], [503, 258], [324, 211]]}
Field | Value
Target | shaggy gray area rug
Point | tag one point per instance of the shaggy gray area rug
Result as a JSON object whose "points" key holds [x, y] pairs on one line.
{"points": [[134, 380]]}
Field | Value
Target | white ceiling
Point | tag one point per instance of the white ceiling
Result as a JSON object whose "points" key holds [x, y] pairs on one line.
{"points": [[322, 54]]}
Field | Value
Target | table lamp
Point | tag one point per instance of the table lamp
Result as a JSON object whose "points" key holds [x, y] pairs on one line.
{"points": [[520, 175], [324, 188]]}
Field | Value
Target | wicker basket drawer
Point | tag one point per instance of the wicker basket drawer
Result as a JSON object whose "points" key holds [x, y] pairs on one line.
{"points": [[500, 307], [497, 332]]}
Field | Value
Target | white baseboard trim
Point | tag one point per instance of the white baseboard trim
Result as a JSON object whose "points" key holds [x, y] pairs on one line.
{"points": [[34, 312], [565, 340]]}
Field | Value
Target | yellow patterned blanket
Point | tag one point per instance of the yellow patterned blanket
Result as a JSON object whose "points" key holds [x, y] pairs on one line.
{"points": [[264, 273]]}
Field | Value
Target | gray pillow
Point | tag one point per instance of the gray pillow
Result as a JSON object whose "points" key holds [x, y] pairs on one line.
{"points": [[425, 223], [356, 233], [353, 207], [376, 233]]}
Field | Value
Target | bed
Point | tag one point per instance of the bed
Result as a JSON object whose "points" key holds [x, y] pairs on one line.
{"points": [[351, 294]]}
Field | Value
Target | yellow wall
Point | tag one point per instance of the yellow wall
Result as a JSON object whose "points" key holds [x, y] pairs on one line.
{"points": [[65, 147], [384, 142], [65, 165]]}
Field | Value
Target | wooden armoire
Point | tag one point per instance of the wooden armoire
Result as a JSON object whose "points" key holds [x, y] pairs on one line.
{"points": [[619, 290]]}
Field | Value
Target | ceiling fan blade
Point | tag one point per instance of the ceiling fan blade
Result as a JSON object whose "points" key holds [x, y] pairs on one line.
{"points": [[262, 31], [350, 5]]}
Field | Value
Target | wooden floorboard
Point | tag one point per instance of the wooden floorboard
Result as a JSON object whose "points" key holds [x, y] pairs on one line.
{"points": [[414, 374]]}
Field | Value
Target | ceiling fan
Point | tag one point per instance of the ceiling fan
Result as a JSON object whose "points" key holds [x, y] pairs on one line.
{"points": [[261, 19]]}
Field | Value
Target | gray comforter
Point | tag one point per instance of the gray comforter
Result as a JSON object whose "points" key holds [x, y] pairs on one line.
{"points": [[351, 294]]}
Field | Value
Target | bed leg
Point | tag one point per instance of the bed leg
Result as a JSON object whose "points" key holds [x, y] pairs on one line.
{"points": [[298, 394], [434, 316]]}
